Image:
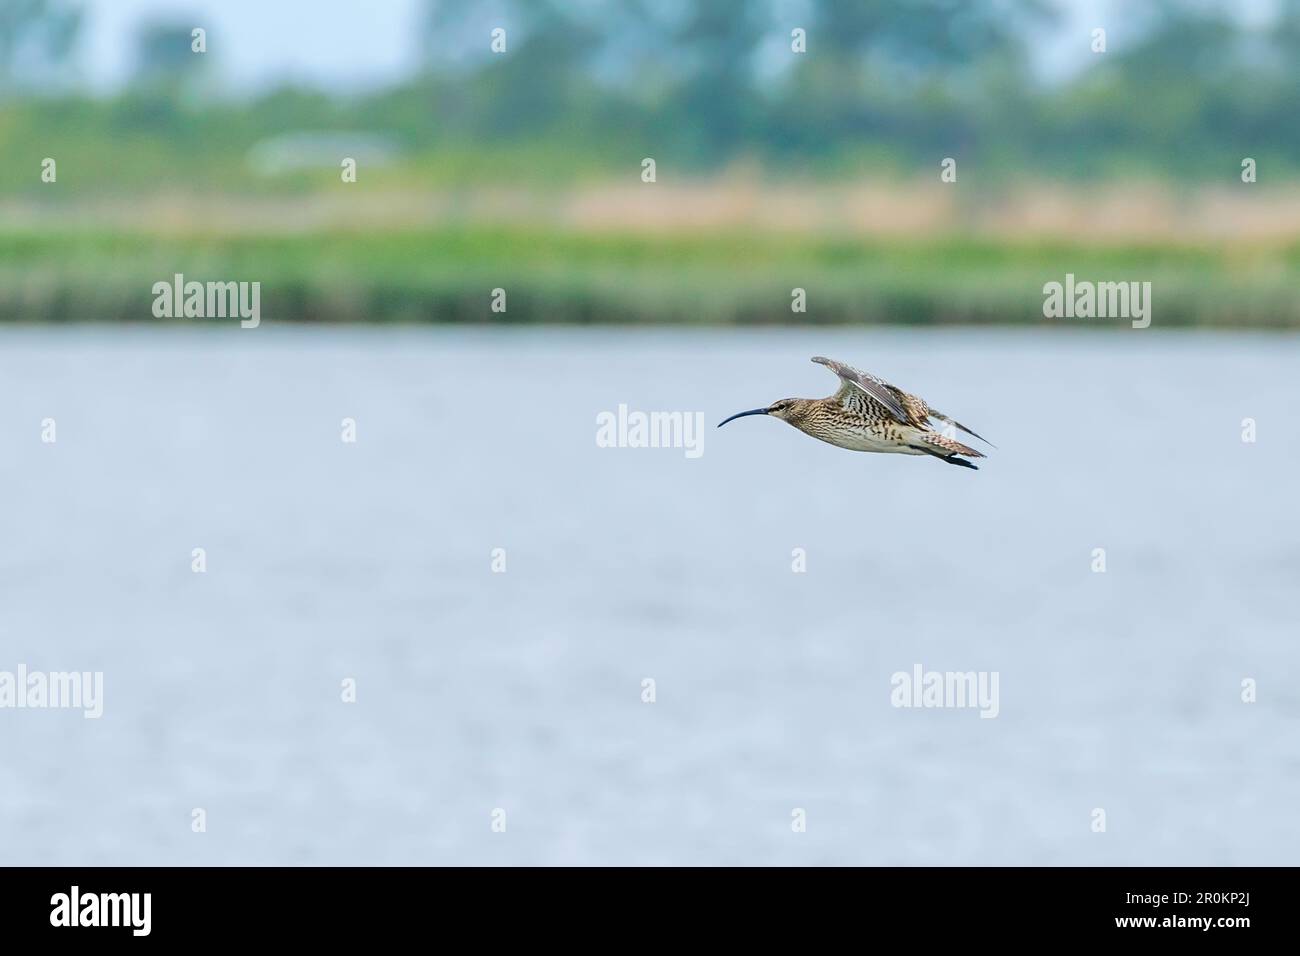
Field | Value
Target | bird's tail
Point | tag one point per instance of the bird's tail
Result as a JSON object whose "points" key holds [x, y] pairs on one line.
{"points": [[947, 449], [943, 446]]}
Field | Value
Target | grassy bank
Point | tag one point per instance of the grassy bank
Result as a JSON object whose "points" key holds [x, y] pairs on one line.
{"points": [[575, 277]]}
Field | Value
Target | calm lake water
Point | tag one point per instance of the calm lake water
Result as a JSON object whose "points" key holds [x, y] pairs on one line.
{"points": [[479, 691]]}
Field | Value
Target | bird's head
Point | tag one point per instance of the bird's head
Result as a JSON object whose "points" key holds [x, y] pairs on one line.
{"points": [[790, 410]]}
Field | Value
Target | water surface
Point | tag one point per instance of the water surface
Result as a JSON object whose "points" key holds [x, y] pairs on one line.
{"points": [[523, 690]]}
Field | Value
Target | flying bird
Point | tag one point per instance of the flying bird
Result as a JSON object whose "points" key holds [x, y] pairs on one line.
{"points": [[869, 414]]}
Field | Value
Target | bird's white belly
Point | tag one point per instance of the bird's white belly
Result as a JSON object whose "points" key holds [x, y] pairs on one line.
{"points": [[857, 440]]}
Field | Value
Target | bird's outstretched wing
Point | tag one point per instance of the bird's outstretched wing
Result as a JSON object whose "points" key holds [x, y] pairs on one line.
{"points": [[875, 388]]}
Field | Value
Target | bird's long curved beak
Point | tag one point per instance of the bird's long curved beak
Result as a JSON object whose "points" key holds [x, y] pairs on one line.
{"points": [[752, 411]]}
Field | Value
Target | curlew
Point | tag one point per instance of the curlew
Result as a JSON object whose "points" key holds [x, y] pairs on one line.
{"points": [[869, 414]]}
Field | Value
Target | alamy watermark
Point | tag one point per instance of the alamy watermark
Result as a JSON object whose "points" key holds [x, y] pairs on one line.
{"points": [[946, 689], [628, 429], [1083, 299], [129, 910], [179, 299], [59, 690]]}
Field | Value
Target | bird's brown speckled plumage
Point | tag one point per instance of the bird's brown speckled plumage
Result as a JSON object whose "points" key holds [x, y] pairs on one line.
{"points": [[870, 414]]}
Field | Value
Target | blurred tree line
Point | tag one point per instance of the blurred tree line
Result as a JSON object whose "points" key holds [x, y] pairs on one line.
{"points": [[588, 87]]}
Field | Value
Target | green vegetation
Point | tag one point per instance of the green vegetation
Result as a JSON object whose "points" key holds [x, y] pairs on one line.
{"points": [[447, 276], [1183, 92], [714, 92]]}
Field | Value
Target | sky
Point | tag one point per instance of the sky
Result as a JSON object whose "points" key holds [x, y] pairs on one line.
{"points": [[335, 43], [358, 44]]}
